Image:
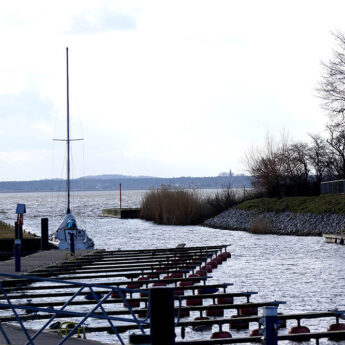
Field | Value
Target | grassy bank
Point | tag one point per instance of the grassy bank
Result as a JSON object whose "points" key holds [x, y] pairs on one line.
{"points": [[330, 203], [7, 231]]}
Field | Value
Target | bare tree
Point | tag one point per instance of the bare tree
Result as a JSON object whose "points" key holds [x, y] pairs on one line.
{"points": [[318, 156], [299, 155], [332, 86], [265, 165], [280, 169], [336, 143]]}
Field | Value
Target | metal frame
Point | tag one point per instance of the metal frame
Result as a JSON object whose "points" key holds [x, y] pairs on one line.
{"points": [[84, 315]]}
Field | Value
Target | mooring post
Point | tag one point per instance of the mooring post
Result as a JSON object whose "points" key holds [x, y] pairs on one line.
{"points": [[120, 196], [18, 228], [162, 316], [17, 247], [44, 233], [71, 243], [270, 325]]}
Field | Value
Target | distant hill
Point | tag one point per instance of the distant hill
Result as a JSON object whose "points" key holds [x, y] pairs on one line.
{"points": [[111, 182], [113, 176]]}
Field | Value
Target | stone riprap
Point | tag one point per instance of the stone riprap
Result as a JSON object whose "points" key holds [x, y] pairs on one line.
{"points": [[285, 223]]}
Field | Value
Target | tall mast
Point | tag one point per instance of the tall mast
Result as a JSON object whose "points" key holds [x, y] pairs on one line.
{"points": [[68, 139]]}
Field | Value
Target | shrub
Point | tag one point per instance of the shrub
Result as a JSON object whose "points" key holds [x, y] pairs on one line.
{"points": [[172, 205], [177, 206], [7, 231], [261, 225]]}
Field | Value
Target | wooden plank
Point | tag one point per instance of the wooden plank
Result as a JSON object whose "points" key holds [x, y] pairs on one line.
{"points": [[51, 302]]}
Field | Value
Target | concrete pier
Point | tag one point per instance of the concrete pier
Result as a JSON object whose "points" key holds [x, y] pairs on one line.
{"points": [[333, 238]]}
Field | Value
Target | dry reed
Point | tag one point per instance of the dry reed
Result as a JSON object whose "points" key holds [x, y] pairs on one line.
{"points": [[174, 206], [261, 226]]}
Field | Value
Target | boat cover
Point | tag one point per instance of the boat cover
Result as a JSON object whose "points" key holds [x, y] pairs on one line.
{"points": [[68, 222]]}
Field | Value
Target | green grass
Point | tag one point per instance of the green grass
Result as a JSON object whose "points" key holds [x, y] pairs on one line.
{"points": [[7, 231], [330, 203]]}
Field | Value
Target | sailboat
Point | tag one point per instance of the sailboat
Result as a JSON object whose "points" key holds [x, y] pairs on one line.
{"points": [[68, 227]]}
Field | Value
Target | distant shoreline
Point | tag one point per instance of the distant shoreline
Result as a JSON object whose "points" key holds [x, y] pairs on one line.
{"points": [[95, 183], [88, 190]]}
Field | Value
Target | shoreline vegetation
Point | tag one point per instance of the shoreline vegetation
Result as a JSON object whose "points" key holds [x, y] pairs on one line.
{"points": [[322, 204], [7, 232], [298, 216], [172, 205]]}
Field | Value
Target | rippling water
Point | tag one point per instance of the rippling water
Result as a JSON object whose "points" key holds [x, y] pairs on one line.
{"points": [[305, 272]]}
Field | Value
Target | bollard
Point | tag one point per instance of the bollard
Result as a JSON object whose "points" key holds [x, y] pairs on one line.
{"points": [[71, 243], [162, 316], [18, 235], [17, 246], [44, 233], [120, 197], [18, 230], [270, 325]]}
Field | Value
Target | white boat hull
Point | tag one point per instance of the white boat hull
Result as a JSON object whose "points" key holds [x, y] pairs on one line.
{"points": [[62, 236]]}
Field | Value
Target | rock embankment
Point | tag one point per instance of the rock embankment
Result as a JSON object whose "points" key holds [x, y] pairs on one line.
{"points": [[285, 223]]}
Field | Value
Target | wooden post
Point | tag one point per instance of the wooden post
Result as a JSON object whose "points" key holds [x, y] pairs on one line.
{"points": [[17, 246], [71, 243], [44, 233], [162, 316], [120, 197], [270, 323]]}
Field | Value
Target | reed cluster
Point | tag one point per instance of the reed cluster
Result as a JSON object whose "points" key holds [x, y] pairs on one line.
{"points": [[6, 230], [176, 206], [171, 205], [261, 226]]}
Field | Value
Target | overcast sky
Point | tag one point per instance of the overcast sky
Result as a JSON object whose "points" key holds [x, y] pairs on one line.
{"points": [[160, 88]]}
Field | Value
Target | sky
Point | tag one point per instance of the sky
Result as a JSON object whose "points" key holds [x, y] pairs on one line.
{"points": [[158, 88]]}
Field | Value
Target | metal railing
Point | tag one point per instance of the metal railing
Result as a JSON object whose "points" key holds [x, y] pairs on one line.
{"points": [[67, 313]]}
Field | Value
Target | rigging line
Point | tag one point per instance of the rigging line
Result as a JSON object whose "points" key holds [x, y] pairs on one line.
{"points": [[62, 183], [72, 174], [83, 181], [52, 171], [73, 182]]}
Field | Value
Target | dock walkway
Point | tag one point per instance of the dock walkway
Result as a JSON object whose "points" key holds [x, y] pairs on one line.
{"points": [[30, 263], [17, 337], [40, 260]]}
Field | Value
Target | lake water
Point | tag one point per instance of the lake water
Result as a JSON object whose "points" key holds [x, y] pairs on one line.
{"points": [[305, 272]]}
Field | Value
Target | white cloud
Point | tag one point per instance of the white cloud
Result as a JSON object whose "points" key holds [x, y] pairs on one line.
{"points": [[101, 21], [17, 157], [160, 87], [43, 127]]}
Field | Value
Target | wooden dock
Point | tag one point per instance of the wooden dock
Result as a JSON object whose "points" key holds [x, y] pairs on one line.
{"points": [[332, 238], [17, 336], [133, 273], [49, 260]]}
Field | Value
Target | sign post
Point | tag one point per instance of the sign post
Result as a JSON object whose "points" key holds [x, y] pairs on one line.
{"points": [[21, 209]]}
